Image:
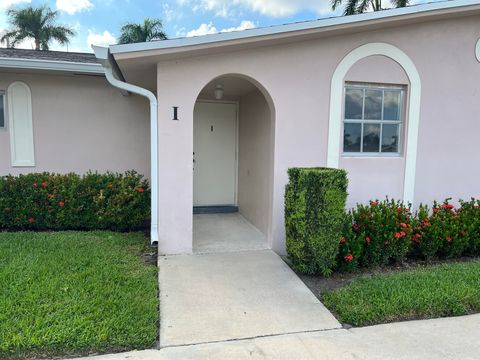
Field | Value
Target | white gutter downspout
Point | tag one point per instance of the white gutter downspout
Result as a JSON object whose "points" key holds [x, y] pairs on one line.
{"points": [[107, 61]]}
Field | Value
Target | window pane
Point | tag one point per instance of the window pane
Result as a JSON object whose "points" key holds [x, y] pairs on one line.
{"points": [[352, 134], [2, 112], [390, 138], [371, 137], [391, 105], [373, 104], [353, 103]]}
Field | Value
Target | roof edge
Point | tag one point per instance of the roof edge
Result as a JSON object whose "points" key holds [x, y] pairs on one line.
{"points": [[36, 64], [288, 28]]}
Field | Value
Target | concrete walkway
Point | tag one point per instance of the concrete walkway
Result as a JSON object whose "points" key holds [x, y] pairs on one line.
{"points": [[219, 233], [230, 296], [437, 339]]}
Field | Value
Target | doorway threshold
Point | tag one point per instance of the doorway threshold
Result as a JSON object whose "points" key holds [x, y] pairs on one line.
{"points": [[220, 209]]}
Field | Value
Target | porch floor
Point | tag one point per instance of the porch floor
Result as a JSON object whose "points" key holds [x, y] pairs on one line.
{"points": [[216, 233]]}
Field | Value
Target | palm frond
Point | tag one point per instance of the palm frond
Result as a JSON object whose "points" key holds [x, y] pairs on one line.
{"points": [[400, 3], [38, 23]]}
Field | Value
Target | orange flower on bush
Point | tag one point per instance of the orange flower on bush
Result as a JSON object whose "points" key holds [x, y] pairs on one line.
{"points": [[34, 184], [44, 184], [348, 257], [139, 190], [403, 225], [61, 204], [343, 240], [368, 240]]}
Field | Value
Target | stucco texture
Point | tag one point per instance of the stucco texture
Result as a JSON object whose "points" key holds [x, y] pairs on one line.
{"points": [[81, 123]]}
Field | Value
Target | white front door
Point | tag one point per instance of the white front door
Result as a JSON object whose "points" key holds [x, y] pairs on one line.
{"points": [[214, 153]]}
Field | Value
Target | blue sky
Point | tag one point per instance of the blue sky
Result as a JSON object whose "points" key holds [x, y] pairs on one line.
{"points": [[99, 21]]}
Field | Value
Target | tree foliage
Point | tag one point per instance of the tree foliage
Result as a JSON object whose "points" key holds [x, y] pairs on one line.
{"points": [[37, 23], [149, 30]]}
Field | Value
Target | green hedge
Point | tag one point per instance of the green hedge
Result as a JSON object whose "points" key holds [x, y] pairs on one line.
{"points": [[314, 216], [119, 202]]}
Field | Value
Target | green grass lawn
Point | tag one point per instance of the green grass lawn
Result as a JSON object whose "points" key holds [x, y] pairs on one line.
{"points": [[437, 291], [71, 293]]}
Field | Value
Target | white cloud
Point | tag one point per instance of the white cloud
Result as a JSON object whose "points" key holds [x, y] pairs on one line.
{"points": [[73, 6], [203, 29], [5, 4], [244, 25], [274, 8], [104, 39], [206, 29]]}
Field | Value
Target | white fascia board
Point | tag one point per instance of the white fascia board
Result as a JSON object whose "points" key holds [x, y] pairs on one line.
{"points": [[281, 29], [36, 64]]}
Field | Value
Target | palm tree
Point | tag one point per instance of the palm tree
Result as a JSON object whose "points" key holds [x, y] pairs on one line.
{"points": [[36, 23], [360, 6], [151, 29]]}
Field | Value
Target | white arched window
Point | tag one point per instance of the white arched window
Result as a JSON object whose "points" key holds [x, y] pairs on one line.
{"points": [[19, 100], [336, 118]]}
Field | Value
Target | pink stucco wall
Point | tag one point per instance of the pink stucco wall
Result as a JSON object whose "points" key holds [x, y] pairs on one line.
{"points": [[255, 160], [81, 123], [297, 79]]}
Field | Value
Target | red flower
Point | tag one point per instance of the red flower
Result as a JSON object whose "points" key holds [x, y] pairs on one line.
{"points": [[397, 235], [34, 184], [61, 204], [403, 234], [31, 220], [348, 257], [399, 209], [139, 190], [44, 184], [447, 206], [435, 210], [373, 203], [367, 239], [448, 238], [403, 225], [426, 223], [415, 237], [343, 240]]}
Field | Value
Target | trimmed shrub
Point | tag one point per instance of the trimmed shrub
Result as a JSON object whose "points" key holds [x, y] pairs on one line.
{"points": [[383, 228], [440, 233], [119, 202], [314, 216], [469, 218], [351, 247]]}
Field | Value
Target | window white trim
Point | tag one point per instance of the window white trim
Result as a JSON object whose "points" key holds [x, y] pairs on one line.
{"points": [[3, 94], [20, 124], [477, 50], [413, 111], [400, 122]]}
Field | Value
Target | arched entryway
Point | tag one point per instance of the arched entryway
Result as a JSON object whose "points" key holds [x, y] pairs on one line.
{"points": [[233, 137]]}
